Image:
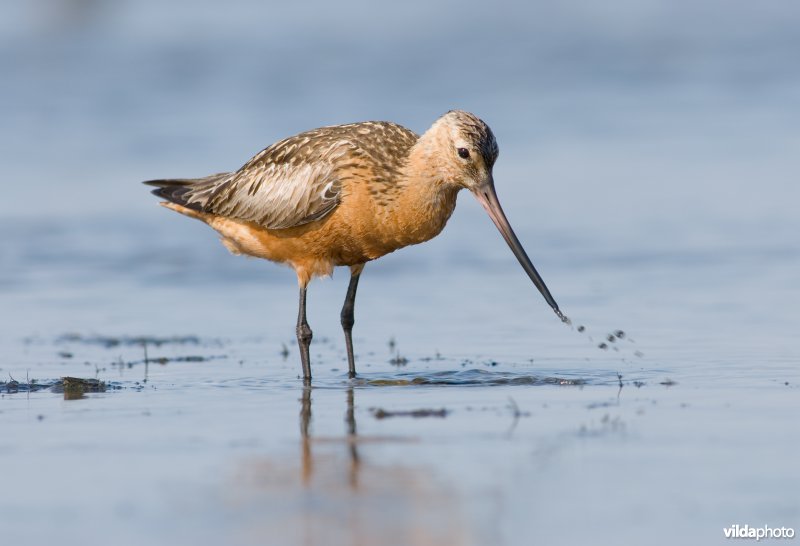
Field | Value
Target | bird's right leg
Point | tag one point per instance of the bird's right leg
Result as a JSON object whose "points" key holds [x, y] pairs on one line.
{"points": [[304, 335], [347, 316]]}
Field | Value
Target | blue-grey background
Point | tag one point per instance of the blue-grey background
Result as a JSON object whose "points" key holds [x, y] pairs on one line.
{"points": [[649, 160]]}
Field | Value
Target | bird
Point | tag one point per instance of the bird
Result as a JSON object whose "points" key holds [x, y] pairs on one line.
{"points": [[345, 195]]}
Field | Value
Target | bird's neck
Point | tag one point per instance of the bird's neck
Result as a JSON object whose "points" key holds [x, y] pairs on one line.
{"points": [[428, 195], [425, 164]]}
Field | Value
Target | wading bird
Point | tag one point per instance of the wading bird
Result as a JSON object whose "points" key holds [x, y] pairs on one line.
{"points": [[345, 195]]}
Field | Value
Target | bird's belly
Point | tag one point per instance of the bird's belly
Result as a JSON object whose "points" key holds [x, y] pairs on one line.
{"points": [[341, 239], [316, 247]]}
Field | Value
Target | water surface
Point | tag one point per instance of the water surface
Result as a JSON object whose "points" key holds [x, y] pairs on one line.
{"points": [[648, 164]]}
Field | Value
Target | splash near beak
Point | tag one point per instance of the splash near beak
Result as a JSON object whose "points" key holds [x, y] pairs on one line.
{"points": [[487, 197]]}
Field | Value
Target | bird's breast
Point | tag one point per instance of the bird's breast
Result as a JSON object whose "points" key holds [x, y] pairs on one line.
{"points": [[407, 216]]}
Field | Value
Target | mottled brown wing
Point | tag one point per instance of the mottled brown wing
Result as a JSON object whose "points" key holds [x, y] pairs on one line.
{"points": [[299, 179], [291, 183]]}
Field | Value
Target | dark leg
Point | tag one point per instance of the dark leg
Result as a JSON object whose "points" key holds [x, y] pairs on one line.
{"points": [[304, 335], [347, 316]]}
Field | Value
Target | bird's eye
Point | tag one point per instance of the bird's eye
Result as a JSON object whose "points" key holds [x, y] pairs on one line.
{"points": [[463, 153]]}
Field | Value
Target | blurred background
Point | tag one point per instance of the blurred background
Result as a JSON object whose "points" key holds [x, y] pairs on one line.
{"points": [[590, 101], [636, 134], [649, 153], [649, 123]]}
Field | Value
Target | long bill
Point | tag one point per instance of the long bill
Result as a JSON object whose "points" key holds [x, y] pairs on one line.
{"points": [[487, 197]]}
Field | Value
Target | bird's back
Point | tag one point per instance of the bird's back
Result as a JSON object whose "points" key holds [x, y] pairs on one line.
{"points": [[302, 178]]}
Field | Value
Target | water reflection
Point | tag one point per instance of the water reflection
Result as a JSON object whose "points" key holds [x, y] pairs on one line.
{"points": [[351, 435], [337, 494], [351, 438]]}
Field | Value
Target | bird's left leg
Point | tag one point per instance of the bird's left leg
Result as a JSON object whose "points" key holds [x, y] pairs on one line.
{"points": [[304, 334], [347, 316]]}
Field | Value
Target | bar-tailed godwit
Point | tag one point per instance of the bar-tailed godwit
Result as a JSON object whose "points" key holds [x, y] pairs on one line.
{"points": [[346, 195]]}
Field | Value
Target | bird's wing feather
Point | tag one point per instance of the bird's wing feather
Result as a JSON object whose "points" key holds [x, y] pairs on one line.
{"points": [[299, 179], [291, 183]]}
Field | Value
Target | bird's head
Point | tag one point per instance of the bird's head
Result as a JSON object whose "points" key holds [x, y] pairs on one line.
{"points": [[466, 151]]}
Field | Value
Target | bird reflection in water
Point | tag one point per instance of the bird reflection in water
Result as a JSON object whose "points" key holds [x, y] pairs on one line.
{"points": [[351, 438], [337, 495]]}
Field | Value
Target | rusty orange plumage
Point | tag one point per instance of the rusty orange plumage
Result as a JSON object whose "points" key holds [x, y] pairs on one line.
{"points": [[345, 195]]}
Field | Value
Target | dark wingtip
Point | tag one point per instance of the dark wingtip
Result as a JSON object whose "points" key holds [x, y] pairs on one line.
{"points": [[164, 183], [187, 192], [171, 190], [159, 192]]}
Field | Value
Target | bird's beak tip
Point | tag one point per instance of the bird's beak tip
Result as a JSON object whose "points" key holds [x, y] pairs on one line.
{"points": [[486, 196]]}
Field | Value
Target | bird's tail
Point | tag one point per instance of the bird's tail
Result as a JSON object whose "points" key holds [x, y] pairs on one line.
{"points": [[191, 193]]}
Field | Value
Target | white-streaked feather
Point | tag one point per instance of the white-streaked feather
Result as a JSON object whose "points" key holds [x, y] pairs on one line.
{"points": [[299, 179], [288, 184]]}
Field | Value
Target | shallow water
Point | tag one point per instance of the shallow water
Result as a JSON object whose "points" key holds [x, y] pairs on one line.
{"points": [[648, 166]]}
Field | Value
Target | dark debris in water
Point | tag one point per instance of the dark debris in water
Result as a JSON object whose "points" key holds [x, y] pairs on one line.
{"points": [[74, 388], [380, 413], [164, 360], [13, 386], [398, 360], [190, 358], [437, 356], [71, 387], [116, 341], [481, 378]]}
